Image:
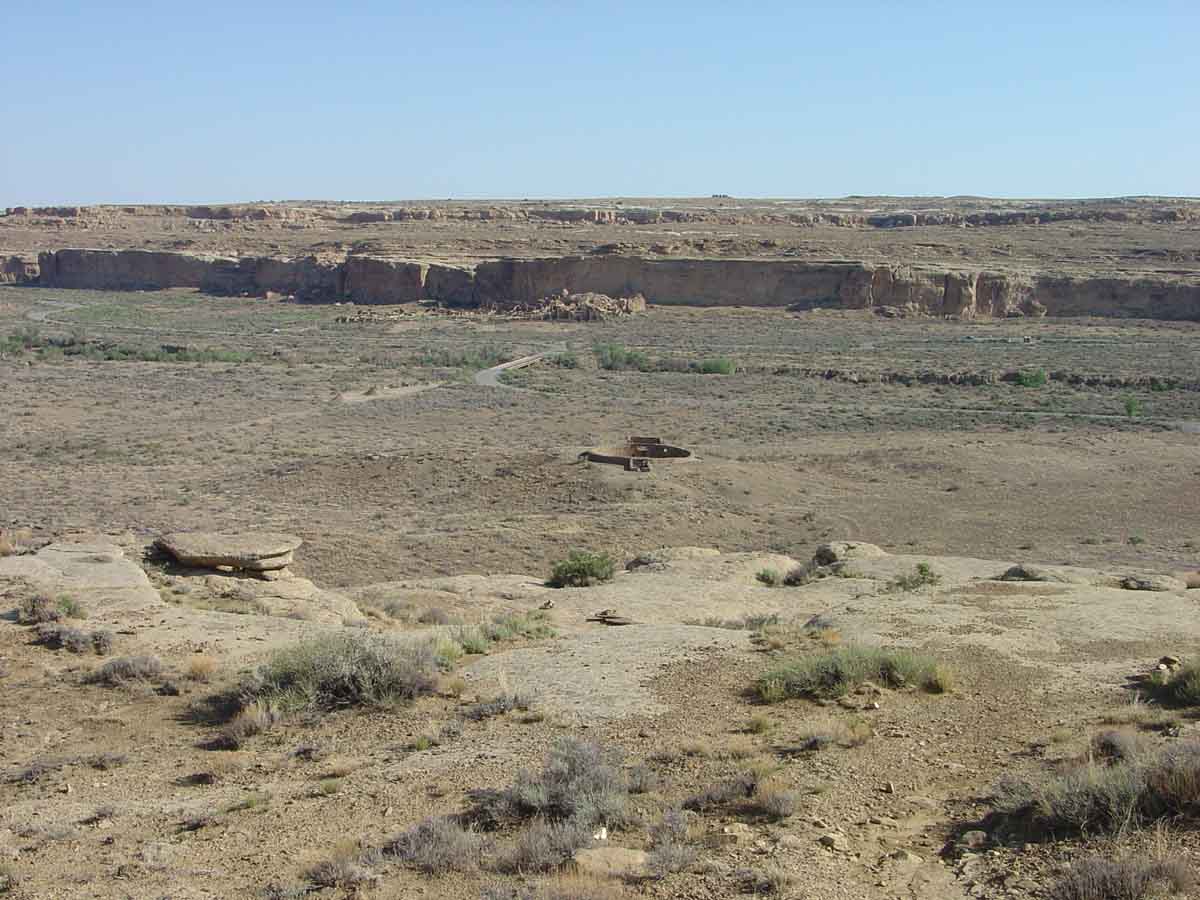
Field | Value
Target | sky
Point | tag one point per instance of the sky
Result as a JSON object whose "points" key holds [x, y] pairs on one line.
{"points": [[173, 102]]}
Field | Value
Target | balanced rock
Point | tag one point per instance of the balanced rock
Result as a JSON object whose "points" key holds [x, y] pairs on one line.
{"points": [[256, 551]]}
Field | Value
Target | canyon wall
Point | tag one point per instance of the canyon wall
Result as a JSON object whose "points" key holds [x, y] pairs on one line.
{"points": [[695, 282]]}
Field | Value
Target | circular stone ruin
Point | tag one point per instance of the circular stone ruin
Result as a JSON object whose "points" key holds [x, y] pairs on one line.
{"points": [[635, 454]]}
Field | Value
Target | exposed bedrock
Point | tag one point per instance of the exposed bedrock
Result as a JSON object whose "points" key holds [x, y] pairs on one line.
{"points": [[695, 282]]}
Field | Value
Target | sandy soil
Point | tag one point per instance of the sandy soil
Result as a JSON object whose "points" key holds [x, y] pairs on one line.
{"points": [[413, 485]]}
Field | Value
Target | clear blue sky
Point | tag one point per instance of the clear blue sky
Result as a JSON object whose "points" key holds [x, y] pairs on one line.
{"points": [[221, 101]]}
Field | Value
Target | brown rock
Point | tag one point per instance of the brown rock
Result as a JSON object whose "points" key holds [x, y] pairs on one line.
{"points": [[251, 550]]}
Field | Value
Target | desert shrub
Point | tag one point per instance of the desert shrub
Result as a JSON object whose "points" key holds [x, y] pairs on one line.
{"points": [[565, 360], [8, 879], [1117, 746], [57, 636], [126, 669], [71, 607], [769, 577], [483, 357], [102, 642], [922, 576], [670, 850], [1096, 878], [618, 358], [252, 719], [36, 771], [38, 609], [497, 706], [201, 668], [105, 762], [717, 365], [775, 803], [748, 622], [438, 845], [724, 793], [567, 886], [473, 640], [446, 651], [509, 626], [579, 781], [769, 880], [434, 616], [1032, 379], [546, 845], [63, 637], [1093, 797], [836, 672], [581, 568], [343, 669], [1180, 689], [641, 779], [348, 868], [834, 733], [1143, 716]]}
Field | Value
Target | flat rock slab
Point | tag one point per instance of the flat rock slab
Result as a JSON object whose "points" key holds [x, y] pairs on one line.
{"points": [[606, 673], [258, 551]]}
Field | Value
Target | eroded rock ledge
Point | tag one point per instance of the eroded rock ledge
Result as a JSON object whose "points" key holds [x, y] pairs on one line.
{"points": [[697, 282]]}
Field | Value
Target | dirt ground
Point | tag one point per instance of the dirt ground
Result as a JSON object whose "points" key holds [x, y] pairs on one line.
{"points": [[373, 443]]}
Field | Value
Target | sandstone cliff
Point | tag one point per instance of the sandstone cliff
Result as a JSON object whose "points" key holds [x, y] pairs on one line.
{"points": [[698, 282]]}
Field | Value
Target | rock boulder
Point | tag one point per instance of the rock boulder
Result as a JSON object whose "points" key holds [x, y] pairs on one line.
{"points": [[256, 551]]}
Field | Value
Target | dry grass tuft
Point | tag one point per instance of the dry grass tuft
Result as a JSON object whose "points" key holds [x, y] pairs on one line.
{"points": [[1096, 878], [201, 668]]}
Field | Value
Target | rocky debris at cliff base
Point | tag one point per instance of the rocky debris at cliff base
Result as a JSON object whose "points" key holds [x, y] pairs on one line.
{"points": [[254, 551], [585, 307]]}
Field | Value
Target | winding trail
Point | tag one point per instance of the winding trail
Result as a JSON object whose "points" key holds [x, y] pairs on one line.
{"points": [[491, 377]]}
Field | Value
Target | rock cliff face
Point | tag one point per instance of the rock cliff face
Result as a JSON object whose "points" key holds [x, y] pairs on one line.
{"points": [[373, 280], [124, 270], [696, 282]]}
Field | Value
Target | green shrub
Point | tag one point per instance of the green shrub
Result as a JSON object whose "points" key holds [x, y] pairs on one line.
{"points": [[922, 576], [1035, 379], [484, 357], [581, 568], [1180, 689], [508, 626], [567, 360], [835, 673], [717, 365], [1132, 406], [340, 670], [618, 358]]}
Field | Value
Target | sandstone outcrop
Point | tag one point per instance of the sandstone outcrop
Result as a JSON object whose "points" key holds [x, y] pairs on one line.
{"points": [[256, 551]]}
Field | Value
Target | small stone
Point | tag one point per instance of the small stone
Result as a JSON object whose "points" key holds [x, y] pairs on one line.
{"points": [[889, 787], [973, 840], [906, 856], [834, 841]]}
